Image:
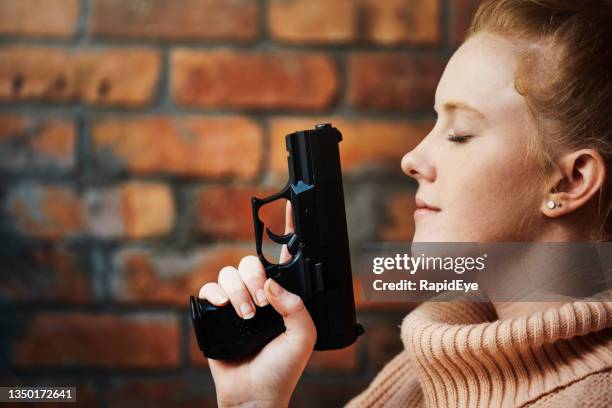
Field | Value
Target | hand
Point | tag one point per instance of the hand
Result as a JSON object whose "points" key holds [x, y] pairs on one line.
{"points": [[268, 378]]}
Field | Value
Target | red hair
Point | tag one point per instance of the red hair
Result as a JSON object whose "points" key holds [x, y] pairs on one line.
{"points": [[564, 75]]}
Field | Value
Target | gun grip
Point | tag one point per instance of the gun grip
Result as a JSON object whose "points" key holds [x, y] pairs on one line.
{"points": [[223, 335]]}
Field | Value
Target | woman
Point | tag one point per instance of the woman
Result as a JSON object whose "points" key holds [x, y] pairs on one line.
{"points": [[519, 152]]}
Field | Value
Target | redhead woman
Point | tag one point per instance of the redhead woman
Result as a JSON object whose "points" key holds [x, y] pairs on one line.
{"points": [[521, 151]]}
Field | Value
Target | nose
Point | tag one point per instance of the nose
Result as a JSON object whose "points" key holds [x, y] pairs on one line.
{"points": [[418, 164]]}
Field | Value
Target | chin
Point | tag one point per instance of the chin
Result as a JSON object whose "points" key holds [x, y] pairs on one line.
{"points": [[428, 236]]}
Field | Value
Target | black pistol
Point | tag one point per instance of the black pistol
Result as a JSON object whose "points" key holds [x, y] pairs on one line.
{"points": [[320, 269]]}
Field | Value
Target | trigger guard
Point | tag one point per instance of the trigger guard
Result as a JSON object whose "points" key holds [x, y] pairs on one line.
{"points": [[256, 204]]}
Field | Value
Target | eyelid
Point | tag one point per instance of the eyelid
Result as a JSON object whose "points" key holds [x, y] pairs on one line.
{"points": [[453, 137], [451, 132]]}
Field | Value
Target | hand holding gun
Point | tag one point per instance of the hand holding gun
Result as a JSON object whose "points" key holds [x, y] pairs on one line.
{"points": [[317, 301]]}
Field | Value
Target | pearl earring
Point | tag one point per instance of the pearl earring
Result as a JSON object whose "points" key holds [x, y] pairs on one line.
{"points": [[551, 204]]}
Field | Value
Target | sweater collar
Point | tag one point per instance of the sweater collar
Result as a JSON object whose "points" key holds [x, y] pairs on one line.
{"points": [[464, 356]]}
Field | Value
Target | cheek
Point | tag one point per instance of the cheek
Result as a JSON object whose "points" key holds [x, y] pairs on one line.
{"points": [[487, 196]]}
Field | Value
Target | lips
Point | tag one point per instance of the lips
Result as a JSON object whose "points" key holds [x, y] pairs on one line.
{"points": [[423, 209], [422, 205]]}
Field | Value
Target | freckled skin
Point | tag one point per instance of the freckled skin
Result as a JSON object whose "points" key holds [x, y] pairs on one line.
{"points": [[486, 188]]}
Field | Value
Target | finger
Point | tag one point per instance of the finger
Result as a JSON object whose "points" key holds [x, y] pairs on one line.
{"points": [[285, 256], [238, 294], [299, 325], [252, 273], [213, 293]]}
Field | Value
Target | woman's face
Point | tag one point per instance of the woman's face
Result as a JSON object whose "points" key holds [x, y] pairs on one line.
{"points": [[472, 168]]}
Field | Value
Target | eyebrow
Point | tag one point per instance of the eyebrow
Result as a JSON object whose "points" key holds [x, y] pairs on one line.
{"points": [[454, 105]]}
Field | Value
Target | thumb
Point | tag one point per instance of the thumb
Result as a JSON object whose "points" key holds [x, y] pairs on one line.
{"points": [[298, 321]]}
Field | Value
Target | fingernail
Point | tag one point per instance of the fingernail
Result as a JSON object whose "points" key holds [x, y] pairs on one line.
{"points": [[219, 298], [275, 288], [261, 297], [247, 311]]}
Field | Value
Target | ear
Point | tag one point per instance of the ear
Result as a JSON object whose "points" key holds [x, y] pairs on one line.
{"points": [[578, 177]]}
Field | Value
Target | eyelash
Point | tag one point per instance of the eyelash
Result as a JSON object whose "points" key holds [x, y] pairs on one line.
{"points": [[458, 139]]}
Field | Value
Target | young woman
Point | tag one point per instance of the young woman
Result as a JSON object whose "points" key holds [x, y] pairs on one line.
{"points": [[520, 152]]}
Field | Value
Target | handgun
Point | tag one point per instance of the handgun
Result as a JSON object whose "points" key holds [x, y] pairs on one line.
{"points": [[319, 270]]}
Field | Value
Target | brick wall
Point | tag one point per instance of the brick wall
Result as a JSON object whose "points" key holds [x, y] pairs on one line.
{"points": [[132, 135]]}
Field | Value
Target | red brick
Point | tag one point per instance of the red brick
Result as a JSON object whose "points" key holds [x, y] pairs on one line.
{"points": [[399, 225], [48, 275], [186, 146], [145, 276], [401, 21], [134, 210], [226, 212], [99, 340], [258, 80], [54, 18], [176, 20], [56, 139], [344, 359], [48, 212], [120, 76], [11, 126], [61, 209], [365, 143], [28, 143], [344, 21], [147, 209], [390, 81], [303, 21], [461, 12], [160, 393]]}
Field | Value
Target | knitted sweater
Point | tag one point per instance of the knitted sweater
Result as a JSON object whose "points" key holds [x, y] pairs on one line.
{"points": [[458, 355]]}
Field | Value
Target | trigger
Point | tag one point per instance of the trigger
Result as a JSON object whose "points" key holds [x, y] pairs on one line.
{"points": [[289, 239], [279, 239]]}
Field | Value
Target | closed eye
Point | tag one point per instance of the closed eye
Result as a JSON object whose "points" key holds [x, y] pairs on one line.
{"points": [[458, 138]]}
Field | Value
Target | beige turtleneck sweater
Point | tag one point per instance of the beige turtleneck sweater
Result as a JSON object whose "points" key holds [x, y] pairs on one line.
{"points": [[458, 355]]}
